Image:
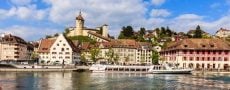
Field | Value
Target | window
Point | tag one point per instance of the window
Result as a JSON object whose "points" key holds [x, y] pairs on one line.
{"points": [[63, 44], [226, 52], [191, 52], [214, 52], [202, 58], [66, 52], [212, 45], [219, 52], [225, 59], [197, 52], [203, 45], [54, 48], [219, 59], [191, 58], [208, 58], [197, 58], [67, 48], [185, 51], [67, 57], [185, 45], [57, 44], [60, 52], [208, 52], [54, 52], [184, 58], [203, 52], [213, 58], [62, 49]]}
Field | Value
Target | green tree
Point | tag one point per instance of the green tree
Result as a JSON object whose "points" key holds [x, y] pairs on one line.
{"points": [[163, 31], [116, 58], [121, 35], [198, 32], [94, 52], [126, 60], [127, 32], [83, 58], [34, 56], [157, 30], [169, 31], [48, 36], [142, 31], [155, 57], [110, 54], [56, 34]]}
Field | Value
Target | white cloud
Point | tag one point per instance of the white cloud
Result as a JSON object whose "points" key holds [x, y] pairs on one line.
{"points": [[159, 13], [158, 2], [28, 32], [20, 2], [189, 17], [24, 13], [115, 13], [190, 21]]}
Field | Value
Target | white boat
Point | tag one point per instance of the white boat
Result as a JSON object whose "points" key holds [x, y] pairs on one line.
{"points": [[167, 69], [97, 68]]}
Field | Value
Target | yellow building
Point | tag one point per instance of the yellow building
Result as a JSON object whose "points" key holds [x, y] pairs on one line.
{"points": [[81, 30]]}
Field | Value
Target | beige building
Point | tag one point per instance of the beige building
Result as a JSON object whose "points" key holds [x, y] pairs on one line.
{"points": [[58, 50], [223, 33], [129, 52], [14, 48], [81, 30], [211, 54]]}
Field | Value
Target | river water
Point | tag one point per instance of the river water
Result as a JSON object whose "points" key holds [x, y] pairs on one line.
{"points": [[111, 81]]}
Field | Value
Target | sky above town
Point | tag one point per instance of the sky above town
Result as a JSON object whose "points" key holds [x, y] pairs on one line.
{"points": [[34, 19]]}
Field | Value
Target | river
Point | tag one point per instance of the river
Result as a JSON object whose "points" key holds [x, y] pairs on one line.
{"points": [[111, 81]]}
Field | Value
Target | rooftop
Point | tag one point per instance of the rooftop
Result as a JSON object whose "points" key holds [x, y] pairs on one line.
{"points": [[200, 44]]}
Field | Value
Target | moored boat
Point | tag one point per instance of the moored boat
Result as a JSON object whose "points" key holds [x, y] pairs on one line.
{"points": [[97, 68], [167, 69]]}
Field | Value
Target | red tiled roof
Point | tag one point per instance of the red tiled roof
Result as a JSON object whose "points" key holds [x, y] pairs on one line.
{"points": [[200, 44], [100, 36], [45, 45]]}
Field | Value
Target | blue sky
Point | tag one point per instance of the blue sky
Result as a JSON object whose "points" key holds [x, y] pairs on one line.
{"points": [[33, 19]]}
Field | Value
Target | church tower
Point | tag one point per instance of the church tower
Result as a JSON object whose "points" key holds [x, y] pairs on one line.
{"points": [[79, 25]]}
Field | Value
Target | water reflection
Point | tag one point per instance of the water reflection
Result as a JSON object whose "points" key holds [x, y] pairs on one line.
{"points": [[108, 81]]}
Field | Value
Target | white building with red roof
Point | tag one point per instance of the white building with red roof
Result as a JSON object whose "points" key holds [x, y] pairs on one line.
{"points": [[58, 51]]}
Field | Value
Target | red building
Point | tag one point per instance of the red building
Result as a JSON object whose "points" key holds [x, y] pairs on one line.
{"points": [[198, 53]]}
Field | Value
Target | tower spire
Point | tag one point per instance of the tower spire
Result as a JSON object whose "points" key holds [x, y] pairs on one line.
{"points": [[79, 17]]}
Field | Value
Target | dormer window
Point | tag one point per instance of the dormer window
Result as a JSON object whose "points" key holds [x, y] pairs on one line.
{"points": [[185, 45], [203, 45], [212, 45]]}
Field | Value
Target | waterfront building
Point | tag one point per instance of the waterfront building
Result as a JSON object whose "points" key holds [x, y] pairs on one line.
{"points": [[58, 50], [222, 33], [14, 48], [198, 53], [81, 30], [128, 51]]}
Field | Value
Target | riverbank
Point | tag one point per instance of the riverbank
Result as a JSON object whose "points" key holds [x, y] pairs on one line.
{"points": [[211, 72], [35, 70]]}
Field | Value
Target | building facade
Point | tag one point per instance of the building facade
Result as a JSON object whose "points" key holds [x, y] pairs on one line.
{"points": [[198, 54], [14, 48], [129, 52], [58, 51], [222, 33]]}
